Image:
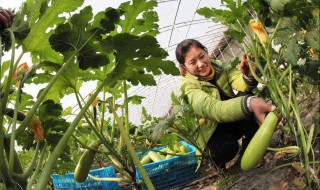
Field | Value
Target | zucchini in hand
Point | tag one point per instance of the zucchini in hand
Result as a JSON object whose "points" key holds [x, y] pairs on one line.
{"points": [[259, 143]]}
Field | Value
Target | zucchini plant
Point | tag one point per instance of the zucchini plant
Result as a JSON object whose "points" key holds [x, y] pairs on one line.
{"points": [[283, 39], [113, 48]]}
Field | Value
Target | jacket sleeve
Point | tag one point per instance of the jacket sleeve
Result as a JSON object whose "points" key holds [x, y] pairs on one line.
{"points": [[208, 106]]}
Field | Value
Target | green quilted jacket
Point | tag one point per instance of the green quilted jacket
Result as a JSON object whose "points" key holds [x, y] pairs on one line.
{"points": [[205, 99]]}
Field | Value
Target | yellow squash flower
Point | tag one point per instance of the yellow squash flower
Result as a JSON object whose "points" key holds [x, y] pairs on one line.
{"points": [[20, 72], [311, 52], [258, 29], [95, 101]]}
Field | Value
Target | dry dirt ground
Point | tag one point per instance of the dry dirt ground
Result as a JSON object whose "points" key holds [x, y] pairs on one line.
{"points": [[263, 177]]}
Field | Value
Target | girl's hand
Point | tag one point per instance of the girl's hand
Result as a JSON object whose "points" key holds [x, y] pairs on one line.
{"points": [[5, 18], [260, 108], [244, 65]]}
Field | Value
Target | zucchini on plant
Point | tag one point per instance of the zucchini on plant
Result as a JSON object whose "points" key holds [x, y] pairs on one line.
{"points": [[259, 143], [84, 165]]}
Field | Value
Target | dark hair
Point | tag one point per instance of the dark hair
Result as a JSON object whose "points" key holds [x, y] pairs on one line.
{"points": [[184, 46]]}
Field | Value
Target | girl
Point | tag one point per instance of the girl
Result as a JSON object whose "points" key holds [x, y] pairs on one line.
{"points": [[209, 89]]}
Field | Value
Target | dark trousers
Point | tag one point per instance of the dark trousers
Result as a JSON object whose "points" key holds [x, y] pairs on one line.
{"points": [[223, 144]]}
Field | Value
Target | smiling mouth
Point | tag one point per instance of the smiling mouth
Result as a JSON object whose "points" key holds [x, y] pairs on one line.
{"points": [[203, 69]]}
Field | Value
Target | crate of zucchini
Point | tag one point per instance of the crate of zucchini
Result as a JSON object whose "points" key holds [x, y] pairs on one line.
{"points": [[168, 171], [67, 181]]}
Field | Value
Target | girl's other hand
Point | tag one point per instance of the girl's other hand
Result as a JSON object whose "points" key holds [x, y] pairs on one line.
{"points": [[244, 65]]}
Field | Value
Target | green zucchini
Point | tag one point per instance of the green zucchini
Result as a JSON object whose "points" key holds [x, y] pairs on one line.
{"points": [[259, 143], [145, 160], [183, 149], [85, 125], [154, 156], [170, 155], [84, 165]]}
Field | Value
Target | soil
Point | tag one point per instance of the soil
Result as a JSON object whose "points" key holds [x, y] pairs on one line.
{"points": [[263, 177]]}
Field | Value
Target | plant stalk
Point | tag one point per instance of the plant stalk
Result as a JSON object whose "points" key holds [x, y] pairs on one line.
{"points": [[132, 153], [3, 162], [126, 109], [13, 129], [31, 166], [38, 168]]}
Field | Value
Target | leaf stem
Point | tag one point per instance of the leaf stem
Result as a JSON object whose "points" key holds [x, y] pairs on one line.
{"points": [[126, 109], [31, 166], [3, 162], [38, 168], [16, 107], [274, 33]]}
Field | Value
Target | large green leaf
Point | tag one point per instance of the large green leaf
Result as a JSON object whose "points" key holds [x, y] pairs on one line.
{"points": [[4, 68], [52, 123], [79, 35], [35, 9], [277, 5], [231, 15], [49, 110], [54, 126], [26, 102], [136, 57], [133, 58], [312, 38], [237, 8], [292, 51], [286, 29], [41, 18], [290, 37], [136, 24], [65, 84]]}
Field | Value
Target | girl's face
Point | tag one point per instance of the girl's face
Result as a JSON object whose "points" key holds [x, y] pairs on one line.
{"points": [[197, 62]]}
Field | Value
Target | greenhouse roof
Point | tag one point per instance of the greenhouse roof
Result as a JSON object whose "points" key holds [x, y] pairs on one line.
{"points": [[178, 20]]}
